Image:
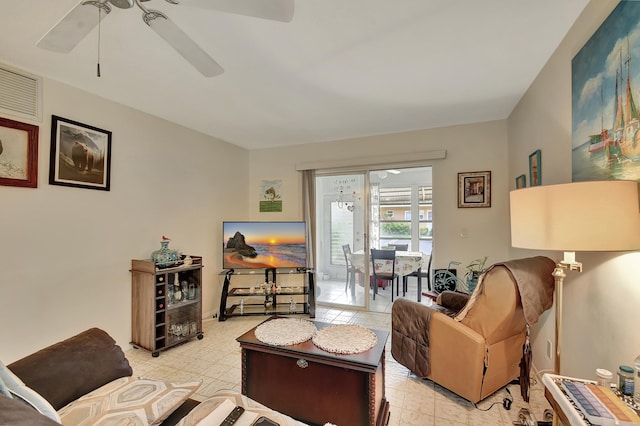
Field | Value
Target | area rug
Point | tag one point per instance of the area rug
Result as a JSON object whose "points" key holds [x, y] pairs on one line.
{"points": [[345, 339], [285, 331]]}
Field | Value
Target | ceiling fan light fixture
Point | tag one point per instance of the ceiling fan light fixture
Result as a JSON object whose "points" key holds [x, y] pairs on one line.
{"points": [[102, 5], [150, 15], [122, 4]]}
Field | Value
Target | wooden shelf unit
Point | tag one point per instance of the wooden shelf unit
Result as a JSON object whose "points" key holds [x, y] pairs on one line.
{"points": [[159, 319]]}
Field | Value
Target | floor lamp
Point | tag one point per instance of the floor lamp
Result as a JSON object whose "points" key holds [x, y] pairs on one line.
{"points": [[579, 216]]}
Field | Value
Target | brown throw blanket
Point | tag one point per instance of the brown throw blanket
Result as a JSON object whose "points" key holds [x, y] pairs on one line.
{"points": [[536, 295]]}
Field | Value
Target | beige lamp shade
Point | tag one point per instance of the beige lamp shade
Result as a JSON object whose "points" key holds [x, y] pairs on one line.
{"points": [[579, 216]]}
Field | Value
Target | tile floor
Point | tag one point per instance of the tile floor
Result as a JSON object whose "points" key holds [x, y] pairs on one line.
{"points": [[216, 360], [332, 291]]}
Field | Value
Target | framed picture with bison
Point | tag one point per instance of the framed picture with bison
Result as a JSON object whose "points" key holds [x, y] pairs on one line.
{"points": [[80, 155]]}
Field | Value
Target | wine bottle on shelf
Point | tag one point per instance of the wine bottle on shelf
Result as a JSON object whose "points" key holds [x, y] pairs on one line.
{"points": [[177, 290]]}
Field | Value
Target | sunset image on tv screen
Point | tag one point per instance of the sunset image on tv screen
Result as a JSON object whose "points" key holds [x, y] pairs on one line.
{"points": [[264, 245]]}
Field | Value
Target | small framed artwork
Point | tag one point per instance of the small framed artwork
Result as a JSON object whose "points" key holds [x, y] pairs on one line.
{"points": [[535, 168], [18, 154], [271, 195], [474, 189], [80, 155], [521, 181]]}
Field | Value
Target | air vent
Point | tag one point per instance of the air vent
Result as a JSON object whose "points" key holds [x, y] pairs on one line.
{"points": [[20, 93]]}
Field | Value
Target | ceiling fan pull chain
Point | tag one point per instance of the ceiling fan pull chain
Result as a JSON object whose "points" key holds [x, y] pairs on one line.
{"points": [[98, 65]]}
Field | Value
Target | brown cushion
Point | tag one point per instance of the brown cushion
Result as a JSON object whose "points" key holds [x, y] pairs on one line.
{"points": [[452, 300], [67, 370], [16, 413]]}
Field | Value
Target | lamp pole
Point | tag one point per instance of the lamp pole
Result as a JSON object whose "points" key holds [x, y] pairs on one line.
{"points": [[559, 274]]}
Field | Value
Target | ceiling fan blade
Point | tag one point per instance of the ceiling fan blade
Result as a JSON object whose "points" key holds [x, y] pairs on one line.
{"points": [[277, 10], [182, 43], [74, 26]]}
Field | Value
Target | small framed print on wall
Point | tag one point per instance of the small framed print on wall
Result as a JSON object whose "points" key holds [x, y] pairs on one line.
{"points": [[521, 181], [474, 189], [535, 168], [18, 154], [80, 155]]}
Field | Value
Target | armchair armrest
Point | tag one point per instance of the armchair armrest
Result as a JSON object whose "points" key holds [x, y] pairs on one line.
{"points": [[410, 336]]}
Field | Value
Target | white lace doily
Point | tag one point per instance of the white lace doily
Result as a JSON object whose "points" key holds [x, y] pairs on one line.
{"points": [[345, 339], [285, 331]]}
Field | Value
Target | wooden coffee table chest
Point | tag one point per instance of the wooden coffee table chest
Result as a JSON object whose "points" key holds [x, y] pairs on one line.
{"points": [[315, 386]]}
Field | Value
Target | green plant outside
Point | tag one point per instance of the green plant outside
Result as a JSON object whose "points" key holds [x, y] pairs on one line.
{"points": [[476, 267], [402, 230]]}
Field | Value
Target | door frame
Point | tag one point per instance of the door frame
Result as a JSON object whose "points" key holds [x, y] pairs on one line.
{"points": [[366, 172]]}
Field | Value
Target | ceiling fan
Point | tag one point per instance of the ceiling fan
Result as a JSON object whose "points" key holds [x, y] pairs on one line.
{"points": [[87, 14]]}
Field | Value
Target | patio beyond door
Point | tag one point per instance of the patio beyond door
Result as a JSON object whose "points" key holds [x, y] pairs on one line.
{"points": [[340, 228], [363, 210]]}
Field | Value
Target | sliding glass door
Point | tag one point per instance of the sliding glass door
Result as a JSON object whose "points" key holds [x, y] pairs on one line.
{"points": [[363, 210], [340, 229]]}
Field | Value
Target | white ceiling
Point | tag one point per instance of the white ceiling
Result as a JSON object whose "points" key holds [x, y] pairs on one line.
{"points": [[339, 69]]}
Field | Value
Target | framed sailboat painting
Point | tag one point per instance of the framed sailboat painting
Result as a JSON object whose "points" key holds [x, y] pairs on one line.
{"points": [[605, 77]]}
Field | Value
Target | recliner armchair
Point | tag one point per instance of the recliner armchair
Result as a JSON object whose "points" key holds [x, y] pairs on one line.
{"points": [[476, 351]]}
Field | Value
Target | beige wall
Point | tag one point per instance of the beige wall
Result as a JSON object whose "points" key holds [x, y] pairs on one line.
{"points": [[66, 252], [474, 147], [600, 309]]}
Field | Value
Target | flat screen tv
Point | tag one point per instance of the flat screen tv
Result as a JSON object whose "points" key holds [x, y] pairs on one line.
{"points": [[259, 245]]}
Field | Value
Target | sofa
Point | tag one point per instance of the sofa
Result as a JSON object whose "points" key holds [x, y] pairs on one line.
{"points": [[87, 380], [473, 345]]}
